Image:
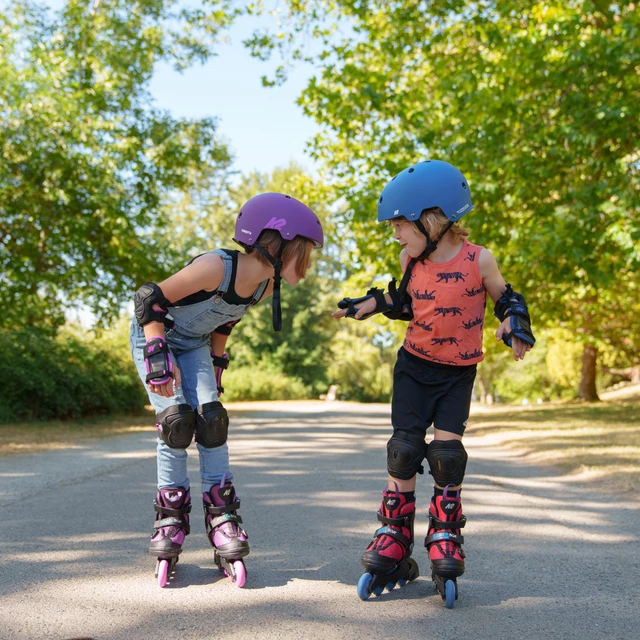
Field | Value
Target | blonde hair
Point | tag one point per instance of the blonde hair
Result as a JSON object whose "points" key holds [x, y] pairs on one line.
{"points": [[297, 250], [435, 221]]}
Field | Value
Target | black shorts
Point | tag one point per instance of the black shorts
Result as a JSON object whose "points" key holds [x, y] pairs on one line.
{"points": [[426, 393]]}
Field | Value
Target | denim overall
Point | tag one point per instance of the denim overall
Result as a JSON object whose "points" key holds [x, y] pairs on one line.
{"points": [[190, 345]]}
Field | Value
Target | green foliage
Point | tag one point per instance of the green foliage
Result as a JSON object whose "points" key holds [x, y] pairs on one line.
{"points": [[69, 376], [262, 381], [86, 160], [362, 371], [535, 102]]}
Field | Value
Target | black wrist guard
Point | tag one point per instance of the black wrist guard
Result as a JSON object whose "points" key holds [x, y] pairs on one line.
{"points": [[149, 296], [512, 305], [350, 304], [400, 304]]}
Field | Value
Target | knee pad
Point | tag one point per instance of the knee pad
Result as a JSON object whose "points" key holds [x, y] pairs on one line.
{"points": [[212, 425], [447, 461], [405, 453], [176, 425]]}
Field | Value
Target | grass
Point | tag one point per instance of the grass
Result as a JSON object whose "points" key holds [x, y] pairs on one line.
{"points": [[592, 441], [37, 437]]}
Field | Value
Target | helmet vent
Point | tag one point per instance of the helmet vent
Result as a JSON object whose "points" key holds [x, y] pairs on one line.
{"points": [[288, 197], [411, 170], [464, 185]]}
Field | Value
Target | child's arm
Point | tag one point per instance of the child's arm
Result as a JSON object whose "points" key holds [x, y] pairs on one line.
{"points": [[369, 304], [496, 286], [204, 273]]}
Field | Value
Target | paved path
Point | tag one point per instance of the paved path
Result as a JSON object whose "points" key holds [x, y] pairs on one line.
{"points": [[545, 559]]}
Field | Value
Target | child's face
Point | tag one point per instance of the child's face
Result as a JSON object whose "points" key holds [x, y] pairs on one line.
{"points": [[408, 237]]}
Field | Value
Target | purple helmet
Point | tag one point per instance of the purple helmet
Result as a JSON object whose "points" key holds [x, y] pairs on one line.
{"points": [[282, 213]]}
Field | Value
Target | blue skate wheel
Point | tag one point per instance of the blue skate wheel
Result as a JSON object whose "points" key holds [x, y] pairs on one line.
{"points": [[378, 590], [449, 594], [391, 586], [364, 586], [402, 582]]}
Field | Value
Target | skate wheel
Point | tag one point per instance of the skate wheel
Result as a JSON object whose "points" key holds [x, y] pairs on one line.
{"points": [[402, 582], [241, 574], [378, 591], [162, 571], [364, 586], [391, 586], [449, 594]]}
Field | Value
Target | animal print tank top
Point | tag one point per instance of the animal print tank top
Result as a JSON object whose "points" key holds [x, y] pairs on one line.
{"points": [[448, 301]]}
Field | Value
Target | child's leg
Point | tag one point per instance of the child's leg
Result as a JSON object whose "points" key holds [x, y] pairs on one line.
{"points": [[175, 421], [447, 460], [411, 409], [219, 497]]}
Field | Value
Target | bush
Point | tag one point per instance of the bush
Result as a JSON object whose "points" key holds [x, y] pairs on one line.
{"points": [[67, 376], [261, 383]]}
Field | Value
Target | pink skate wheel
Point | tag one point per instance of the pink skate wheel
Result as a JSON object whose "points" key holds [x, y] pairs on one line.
{"points": [[163, 570], [241, 573]]}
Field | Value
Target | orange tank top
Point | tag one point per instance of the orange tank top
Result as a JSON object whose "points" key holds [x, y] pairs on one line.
{"points": [[448, 301]]}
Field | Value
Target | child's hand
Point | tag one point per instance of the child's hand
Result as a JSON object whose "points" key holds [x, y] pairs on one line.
{"points": [[519, 347], [166, 390], [368, 306]]}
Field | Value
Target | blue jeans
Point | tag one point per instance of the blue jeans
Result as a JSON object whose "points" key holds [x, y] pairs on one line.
{"points": [[198, 387]]}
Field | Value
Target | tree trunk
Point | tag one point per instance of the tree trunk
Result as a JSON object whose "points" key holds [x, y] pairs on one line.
{"points": [[483, 389], [587, 386]]}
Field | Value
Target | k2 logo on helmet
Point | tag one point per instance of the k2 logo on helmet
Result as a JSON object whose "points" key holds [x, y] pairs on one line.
{"points": [[275, 223]]}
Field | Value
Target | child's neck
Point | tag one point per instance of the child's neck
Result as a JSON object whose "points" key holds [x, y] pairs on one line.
{"points": [[448, 248], [251, 271]]}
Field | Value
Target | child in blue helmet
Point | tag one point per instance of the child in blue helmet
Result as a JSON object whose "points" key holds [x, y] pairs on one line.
{"points": [[442, 296]]}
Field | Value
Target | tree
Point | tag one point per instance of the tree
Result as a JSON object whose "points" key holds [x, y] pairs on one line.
{"points": [[87, 161], [534, 101]]}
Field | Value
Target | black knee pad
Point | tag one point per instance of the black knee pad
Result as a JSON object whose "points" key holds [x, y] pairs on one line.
{"points": [[405, 453], [212, 425], [447, 461], [176, 425]]}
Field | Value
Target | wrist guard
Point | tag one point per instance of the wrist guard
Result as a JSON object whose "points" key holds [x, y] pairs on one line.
{"points": [[512, 305], [151, 305], [400, 304], [221, 363], [350, 304], [158, 361]]}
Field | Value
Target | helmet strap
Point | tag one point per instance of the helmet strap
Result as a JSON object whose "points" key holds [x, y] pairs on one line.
{"points": [[429, 249], [277, 277], [431, 244]]}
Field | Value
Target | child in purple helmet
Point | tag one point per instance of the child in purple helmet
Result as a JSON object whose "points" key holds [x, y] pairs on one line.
{"points": [[178, 342], [442, 296]]}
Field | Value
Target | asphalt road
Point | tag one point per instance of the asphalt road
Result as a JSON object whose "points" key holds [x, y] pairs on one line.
{"points": [[546, 558]]}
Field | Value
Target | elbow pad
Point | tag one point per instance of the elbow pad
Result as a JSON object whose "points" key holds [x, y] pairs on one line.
{"points": [[400, 304], [151, 305]]}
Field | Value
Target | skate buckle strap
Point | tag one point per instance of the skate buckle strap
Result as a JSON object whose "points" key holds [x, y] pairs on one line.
{"points": [[172, 522], [225, 508], [172, 512], [227, 517], [444, 536], [401, 521], [395, 534], [436, 523]]}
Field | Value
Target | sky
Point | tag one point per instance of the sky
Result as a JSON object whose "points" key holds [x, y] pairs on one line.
{"points": [[264, 126]]}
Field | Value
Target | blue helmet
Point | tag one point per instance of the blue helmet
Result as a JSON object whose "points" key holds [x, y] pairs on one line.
{"points": [[431, 183]]}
